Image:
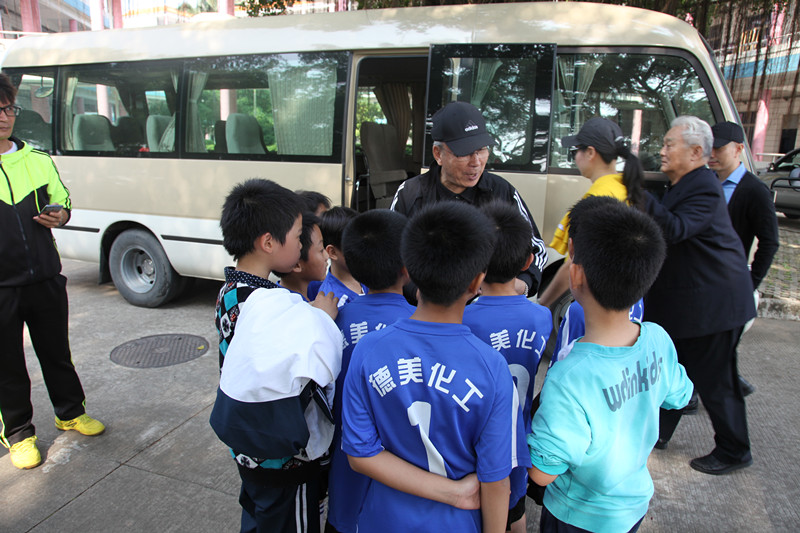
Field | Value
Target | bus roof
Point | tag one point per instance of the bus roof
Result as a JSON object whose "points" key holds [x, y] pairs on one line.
{"points": [[564, 23]]}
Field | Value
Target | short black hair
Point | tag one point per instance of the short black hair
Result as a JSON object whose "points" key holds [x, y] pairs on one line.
{"points": [[513, 244], [309, 221], [313, 200], [334, 221], [444, 247], [586, 204], [7, 90], [371, 244], [253, 208], [620, 249]]}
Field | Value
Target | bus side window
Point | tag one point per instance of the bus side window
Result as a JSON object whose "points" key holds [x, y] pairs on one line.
{"points": [[643, 93], [263, 106], [233, 113], [34, 124], [128, 96]]}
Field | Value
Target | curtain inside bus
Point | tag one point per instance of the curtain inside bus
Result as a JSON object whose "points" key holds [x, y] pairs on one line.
{"points": [[303, 107]]}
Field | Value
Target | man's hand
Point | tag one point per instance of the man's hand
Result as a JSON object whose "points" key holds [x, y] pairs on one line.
{"points": [[327, 302], [53, 219]]}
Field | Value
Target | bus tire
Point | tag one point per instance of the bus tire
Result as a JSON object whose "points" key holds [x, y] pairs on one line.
{"points": [[141, 271]]}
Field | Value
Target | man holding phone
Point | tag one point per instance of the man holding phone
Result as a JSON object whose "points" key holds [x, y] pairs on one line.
{"points": [[33, 292]]}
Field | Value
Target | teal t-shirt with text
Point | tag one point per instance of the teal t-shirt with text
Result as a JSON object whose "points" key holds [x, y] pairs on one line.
{"points": [[597, 423]]}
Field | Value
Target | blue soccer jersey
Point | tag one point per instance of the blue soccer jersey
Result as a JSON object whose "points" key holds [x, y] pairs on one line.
{"points": [[436, 396], [347, 488], [518, 329], [313, 289], [332, 284], [573, 326]]}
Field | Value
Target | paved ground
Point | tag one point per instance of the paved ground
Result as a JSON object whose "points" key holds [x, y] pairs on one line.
{"points": [[781, 287], [159, 466]]}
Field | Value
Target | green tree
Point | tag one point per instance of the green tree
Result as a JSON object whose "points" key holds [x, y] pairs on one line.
{"points": [[261, 8], [367, 110]]}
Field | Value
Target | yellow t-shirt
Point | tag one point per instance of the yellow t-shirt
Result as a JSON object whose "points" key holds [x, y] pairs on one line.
{"points": [[608, 185]]}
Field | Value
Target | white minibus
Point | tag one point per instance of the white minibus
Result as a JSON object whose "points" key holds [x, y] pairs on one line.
{"points": [[151, 127]]}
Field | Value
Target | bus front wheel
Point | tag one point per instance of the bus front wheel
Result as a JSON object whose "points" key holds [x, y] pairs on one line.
{"points": [[141, 271]]}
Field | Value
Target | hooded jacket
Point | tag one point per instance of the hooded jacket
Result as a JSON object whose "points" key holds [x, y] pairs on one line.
{"points": [[30, 181]]}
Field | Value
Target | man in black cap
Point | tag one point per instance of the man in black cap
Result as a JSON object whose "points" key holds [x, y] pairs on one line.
{"points": [[749, 200], [749, 205], [461, 149]]}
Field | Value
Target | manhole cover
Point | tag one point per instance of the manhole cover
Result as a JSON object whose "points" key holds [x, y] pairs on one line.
{"points": [[159, 350]]}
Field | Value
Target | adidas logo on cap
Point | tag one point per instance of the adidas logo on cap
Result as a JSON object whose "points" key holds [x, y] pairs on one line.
{"points": [[471, 126]]}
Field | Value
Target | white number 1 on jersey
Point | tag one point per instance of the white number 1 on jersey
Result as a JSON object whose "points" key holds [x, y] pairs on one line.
{"points": [[419, 415]]}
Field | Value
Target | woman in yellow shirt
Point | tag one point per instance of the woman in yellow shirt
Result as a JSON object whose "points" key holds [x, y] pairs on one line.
{"points": [[595, 149]]}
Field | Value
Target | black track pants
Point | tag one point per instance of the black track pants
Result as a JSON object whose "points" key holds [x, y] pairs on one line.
{"points": [[43, 307]]}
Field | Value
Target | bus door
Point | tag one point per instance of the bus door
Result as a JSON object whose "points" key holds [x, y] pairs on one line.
{"points": [[512, 86], [388, 127]]}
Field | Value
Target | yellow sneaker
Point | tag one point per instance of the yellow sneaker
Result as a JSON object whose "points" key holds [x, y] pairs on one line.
{"points": [[25, 454], [84, 424]]}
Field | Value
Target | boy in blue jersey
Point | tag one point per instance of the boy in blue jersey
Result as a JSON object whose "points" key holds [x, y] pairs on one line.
{"points": [[279, 357], [573, 326], [316, 203], [313, 262], [425, 401], [339, 280], [371, 243], [598, 417], [512, 325]]}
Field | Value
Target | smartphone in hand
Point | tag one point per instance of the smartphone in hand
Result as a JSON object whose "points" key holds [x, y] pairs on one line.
{"points": [[50, 208]]}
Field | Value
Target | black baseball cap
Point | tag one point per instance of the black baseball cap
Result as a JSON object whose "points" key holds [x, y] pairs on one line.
{"points": [[727, 132], [462, 127], [599, 132]]}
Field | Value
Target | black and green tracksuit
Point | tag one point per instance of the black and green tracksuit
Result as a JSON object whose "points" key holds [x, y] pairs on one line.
{"points": [[32, 292]]}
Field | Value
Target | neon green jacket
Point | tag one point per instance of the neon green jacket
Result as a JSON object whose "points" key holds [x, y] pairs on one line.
{"points": [[30, 181]]}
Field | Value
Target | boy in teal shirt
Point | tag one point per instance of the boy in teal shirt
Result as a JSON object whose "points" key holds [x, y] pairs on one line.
{"points": [[598, 417]]}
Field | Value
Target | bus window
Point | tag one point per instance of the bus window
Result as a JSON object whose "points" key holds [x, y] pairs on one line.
{"points": [[263, 105], [35, 95], [124, 109], [642, 93], [510, 84]]}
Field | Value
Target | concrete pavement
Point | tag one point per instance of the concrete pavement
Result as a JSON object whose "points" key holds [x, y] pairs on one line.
{"points": [[159, 467], [780, 289]]}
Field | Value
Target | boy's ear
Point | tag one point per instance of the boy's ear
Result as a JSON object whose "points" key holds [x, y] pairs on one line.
{"points": [[577, 278], [527, 263], [333, 252], [264, 243], [297, 268], [475, 284], [404, 275]]}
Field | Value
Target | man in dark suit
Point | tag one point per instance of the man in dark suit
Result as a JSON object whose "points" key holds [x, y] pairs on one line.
{"points": [[703, 294], [750, 205]]}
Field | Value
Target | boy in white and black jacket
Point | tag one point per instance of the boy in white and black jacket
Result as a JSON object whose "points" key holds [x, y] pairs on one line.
{"points": [[279, 358]]}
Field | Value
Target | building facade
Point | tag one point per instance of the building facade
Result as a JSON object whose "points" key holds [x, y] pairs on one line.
{"points": [[759, 56]]}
